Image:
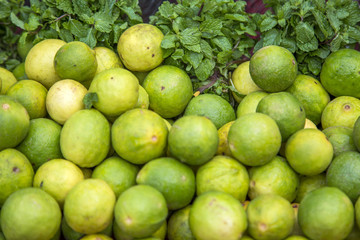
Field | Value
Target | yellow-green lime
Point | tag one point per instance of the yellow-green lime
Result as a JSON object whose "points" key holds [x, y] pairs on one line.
{"points": [[275, 177], [15, 173], [270, 217], [15, 122], [65, 98], [85, 138], [158, 235], [106, 59], [356, 134], [178, 225], [341, 111], [242, 80], [217, 215], [30, 213], [118, 173], [286, 110], [75, 60], [273, 68], [193, 139], [57, 177], [140, 53], [96, 237], [39, 63], [308, 184], [341, 139], [175, 180], [223, 132], [140, 211], [254, 139], [89, 206], [42, 142], [212, 106], [340, 73], [224, 174], [7, 79], [326, 213], [32, 95], [170, 90], [19, 72], [250, 103], [296, 237], [312, 96], [143, 100], [117, 90], [309, 152], [309, 124], [139, 135], [343, 173]]}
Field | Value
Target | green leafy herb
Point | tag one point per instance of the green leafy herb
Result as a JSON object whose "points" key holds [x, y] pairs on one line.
{"points": [[310, 29], [207, 39]]}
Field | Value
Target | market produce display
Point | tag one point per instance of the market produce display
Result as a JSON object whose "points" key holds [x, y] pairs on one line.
{"points": [[206, 123]]}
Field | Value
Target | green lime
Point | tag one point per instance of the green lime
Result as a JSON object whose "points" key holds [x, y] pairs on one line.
{"points": [[19, 72], [15, 173], [7, 79], [178, 225], [173, 179], [118, 173], [139, 135], [270, 217], [223, 174], [39, 63], [308, 184], [294, 237], [117, 90], [89, 206], [65, 98], [250, 103], [275, 177], [42, 142], [30, 213], [106, 59], [140, 211], [32, 95], [85, 138], [312, 96], [344, 172], [356, 134], [96, 237], [75, 60], [15, 122], [326, 213], [140, 53], [341, 139], [273, 68], [309, 152], [170, 90], [57, 177], [254, 139], [212, 106], [193, 139], [217, 215], [341, 111], [223, 132], [158, 235], [286, 110], [340, 73]]}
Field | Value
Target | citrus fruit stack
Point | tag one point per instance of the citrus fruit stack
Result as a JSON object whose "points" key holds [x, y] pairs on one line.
{"points": [[98, 144]]}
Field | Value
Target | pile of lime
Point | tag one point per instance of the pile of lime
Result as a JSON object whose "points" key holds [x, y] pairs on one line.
{"points": [[103, 144]]}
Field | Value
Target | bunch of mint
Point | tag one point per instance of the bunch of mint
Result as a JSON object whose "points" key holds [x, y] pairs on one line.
{"points": [[207, 39], [310, 29]]}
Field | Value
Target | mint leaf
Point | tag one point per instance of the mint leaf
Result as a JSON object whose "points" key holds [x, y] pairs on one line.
{"points": [[33, 23], [267, 24], [65, 5], [15, 20], [211, 28], [305, 37], [193, 58], [90, 38], [205, 69], [77, 28], [223, 43], [89, 99], [167, 11], [206, 49], [178, 54], [272, 37], [169, 41], [103, 21]]}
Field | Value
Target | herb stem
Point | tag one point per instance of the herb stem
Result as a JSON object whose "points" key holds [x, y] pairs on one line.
{"points": [[213, 78]]}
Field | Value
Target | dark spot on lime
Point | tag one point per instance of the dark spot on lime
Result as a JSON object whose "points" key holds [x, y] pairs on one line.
{"points": [[153, 55], [42, 183], [252, 184], [112, 78], [293, 62], [347, 107], [315, 82], [162, 88], [74, 65], [295, 205], [16, 169], [301, 109], [148, 48]]}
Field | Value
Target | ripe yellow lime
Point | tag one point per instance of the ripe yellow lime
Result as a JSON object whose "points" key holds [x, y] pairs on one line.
{"points": [[143, 100], [106, 59], [32, 95], [39, 63], [242, 80], [57, 177], [223, 132], [139, 47], [7, 79], [273, 68], [340, 73], [117, 90], [309, 124], [65, 98], [75, 60]]}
